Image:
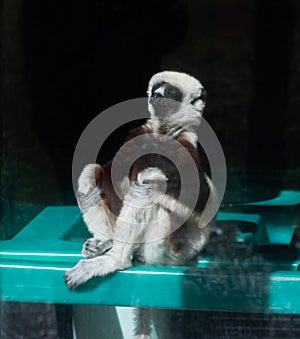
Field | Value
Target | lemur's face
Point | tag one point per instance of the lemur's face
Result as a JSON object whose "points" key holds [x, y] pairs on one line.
{"points": [[165, 99], [176, 96]]}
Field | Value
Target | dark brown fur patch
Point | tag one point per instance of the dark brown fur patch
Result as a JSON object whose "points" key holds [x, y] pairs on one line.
{"points": [[155, 160]]}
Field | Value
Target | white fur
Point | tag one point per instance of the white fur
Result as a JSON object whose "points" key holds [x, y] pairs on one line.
{"points": [[87, 179], [187, 115], [99, 222], [191, 136], [125, 185], [142, 215], [151, 173]]}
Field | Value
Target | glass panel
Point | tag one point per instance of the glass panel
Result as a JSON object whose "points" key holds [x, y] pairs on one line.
{"points": [[63, 63]]}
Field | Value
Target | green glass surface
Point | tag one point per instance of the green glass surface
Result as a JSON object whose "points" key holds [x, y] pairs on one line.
{"points": [[33, 264]]}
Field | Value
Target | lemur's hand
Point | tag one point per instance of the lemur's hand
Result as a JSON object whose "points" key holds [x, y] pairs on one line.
{"points": [[93, 247], [90, 199]]}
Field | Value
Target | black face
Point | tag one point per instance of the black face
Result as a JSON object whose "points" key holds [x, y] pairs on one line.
{"points": [[167, 101], [170, 92]]}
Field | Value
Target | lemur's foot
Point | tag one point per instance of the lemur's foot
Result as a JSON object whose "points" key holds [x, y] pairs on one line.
{"points": [[95, 267], [93, 247]]}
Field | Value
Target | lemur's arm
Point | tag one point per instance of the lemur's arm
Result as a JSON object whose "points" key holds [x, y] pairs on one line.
{"points": [[89, 192]]}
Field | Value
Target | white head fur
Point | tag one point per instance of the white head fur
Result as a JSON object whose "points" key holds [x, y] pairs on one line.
{"points": [[186, 90]]}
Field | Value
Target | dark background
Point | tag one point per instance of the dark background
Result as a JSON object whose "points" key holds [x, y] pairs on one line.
{"points": [[63, 62]]}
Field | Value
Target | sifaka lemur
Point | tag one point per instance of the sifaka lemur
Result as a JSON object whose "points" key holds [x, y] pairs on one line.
{"points": [[148, 221]]}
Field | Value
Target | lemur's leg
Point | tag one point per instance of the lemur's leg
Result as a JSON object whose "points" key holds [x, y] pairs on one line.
{"points": [[117, 258], [95, 214], [100, 223], [130, 228]]}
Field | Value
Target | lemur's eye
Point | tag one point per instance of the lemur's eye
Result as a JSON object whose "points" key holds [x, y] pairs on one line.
{"points": [[173, 92], [202, 97]]}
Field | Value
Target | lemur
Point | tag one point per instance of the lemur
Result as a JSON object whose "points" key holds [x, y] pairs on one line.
{"points": [[149, 223]]}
